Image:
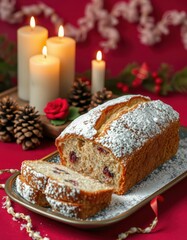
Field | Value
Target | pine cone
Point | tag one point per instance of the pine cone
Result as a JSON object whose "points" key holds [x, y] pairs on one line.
{"points": [[28, 128], [80, 95], [100, 97], [8, 108]]}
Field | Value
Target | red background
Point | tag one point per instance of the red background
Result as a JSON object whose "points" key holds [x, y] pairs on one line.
{"points": [[170, 50], [172, 213]]}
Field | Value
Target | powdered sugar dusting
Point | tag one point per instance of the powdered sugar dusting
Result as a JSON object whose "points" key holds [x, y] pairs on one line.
{"points": [[64, 208], [84, 125], [130, 131], [25, 191], [37, 177], [51, 189], [159, 178], [155, 181]]}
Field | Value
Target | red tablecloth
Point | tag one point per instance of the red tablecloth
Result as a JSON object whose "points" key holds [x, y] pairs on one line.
{"points": [[172, 212]]}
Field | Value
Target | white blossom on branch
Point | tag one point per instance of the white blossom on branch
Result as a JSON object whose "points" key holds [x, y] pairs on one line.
{"points": [[134, 11]]}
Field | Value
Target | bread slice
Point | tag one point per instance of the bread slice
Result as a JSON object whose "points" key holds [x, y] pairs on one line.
{"points": [[80, 209], [120, 142], [63, 184], [76, 210], [78, 189], [29, 193]]}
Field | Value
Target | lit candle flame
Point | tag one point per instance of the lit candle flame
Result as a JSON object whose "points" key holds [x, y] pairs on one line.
{"points": [[32, 22], [99, 56], [44, 51], [61, 31]]}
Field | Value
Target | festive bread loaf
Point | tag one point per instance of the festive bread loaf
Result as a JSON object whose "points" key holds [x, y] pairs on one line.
{"points": [[62, 184], [29, 193], [121, 141]]}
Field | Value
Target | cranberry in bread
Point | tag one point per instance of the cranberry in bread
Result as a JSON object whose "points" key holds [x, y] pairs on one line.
{"points": [[66, 191], [121, 141]]}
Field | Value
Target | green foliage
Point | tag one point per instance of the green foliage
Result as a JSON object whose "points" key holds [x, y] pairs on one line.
{"points": [[149, 84], [125, 77], [165, 73], [58, 122], [111, 85], [73, 113], [8, 63], [179, 81], [170, 82]]}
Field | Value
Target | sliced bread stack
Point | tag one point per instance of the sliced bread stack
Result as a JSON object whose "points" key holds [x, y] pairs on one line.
{"points": [[66, 191]]}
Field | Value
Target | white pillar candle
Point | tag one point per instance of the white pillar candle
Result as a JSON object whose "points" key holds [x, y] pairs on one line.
{"points": [[98, 73], [44, 80], [31, 39], [64, 48]]}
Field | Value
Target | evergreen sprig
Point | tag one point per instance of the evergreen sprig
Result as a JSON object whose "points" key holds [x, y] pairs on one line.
{"points": [[179, 81], [171, 82], [8, 63]]}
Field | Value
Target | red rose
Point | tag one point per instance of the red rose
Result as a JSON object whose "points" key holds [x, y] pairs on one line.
{"points": [[57, 109]]}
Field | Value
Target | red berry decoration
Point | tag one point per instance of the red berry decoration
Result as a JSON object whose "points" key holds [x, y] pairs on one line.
{"points": [[137, 82], [120, 85], [158, 81], [141, 74], [125, 88], [143, 71], [134, 71], [157, 89], [154, 74]]}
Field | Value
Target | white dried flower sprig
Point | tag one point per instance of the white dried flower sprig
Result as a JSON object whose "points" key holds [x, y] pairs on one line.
{"points": [[95, 12], [134, 230], [6, 171], [9, 14], [135, 11], [16, 215], [151, 32]]}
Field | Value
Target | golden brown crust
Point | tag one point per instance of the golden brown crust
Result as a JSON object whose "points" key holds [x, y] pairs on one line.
{"points": [[154, 153], [32, 177], [105, 114], [82, 211], [118, 108], [163, 123], [29, 193]]}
